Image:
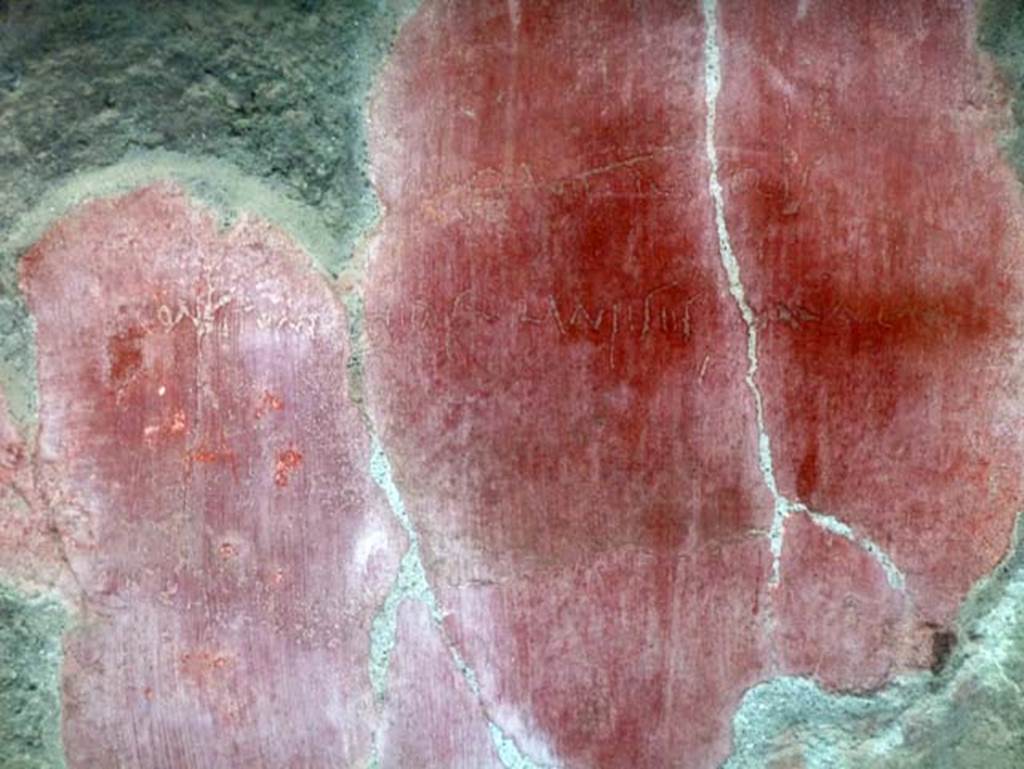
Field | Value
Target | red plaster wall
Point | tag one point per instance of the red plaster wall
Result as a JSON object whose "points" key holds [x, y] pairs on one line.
{"points": [[226, 597], [564, 384], [558, 366]]}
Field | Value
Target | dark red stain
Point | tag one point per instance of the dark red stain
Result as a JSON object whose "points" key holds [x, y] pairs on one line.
{"points": [[558, 370], [242, 611], [125, 350]]}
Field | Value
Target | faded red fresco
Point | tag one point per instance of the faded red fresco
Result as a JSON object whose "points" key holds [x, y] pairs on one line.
{"points": [[208, 477], [557, 366]]}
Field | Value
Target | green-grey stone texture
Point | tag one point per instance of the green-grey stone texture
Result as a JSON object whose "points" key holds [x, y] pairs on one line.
{"points": [[30, 657], [1001, 35]]}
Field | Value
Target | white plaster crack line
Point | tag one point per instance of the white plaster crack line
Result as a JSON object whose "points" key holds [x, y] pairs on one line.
{"points": [[831, 524], [411, 583], [782, 507]]}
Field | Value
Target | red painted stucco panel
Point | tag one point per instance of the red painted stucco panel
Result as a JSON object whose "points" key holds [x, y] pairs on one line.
{"points": [[873, 217], [567, 386], [209, 478], [557, 370]]}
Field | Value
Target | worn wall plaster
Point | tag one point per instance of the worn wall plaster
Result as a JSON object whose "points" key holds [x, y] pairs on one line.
{"points": [[214, 112]]}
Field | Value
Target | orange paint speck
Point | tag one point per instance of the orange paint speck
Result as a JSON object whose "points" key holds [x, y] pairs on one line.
{"points": [[227, 551], [199, 665], [208, 456], [166, 427], [269, 402], [178, 423], [287, 461]]}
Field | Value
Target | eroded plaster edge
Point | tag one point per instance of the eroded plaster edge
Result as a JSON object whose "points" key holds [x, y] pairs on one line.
{"points": [[900, 723], [213, 184]]}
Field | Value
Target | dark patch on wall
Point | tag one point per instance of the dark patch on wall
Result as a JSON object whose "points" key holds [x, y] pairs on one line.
{"points": [[943, 644], [30, 658]]}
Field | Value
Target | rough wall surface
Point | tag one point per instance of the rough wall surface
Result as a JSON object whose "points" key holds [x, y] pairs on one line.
{"points": [[511, 384]]}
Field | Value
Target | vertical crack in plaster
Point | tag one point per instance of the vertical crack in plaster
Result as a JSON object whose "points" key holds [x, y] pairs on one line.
{"points": [[782, 507], [411, 583]]}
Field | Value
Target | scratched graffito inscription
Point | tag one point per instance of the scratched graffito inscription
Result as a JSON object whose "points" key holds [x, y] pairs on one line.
{"points": [[662, 314]]}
